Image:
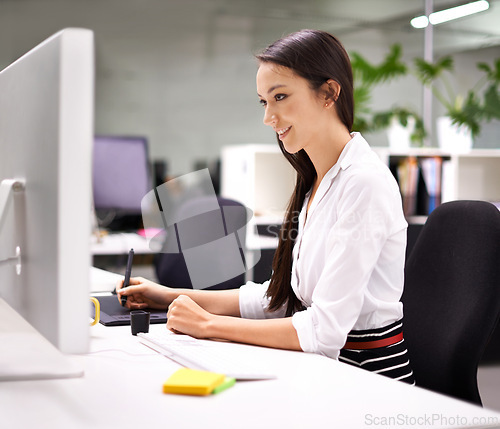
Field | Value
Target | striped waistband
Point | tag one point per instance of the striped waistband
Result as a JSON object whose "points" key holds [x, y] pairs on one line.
{"points": [[375, 338]]}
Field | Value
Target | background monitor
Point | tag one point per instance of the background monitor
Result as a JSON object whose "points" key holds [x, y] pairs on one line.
{"points": [[46, 133], [121, 177]]}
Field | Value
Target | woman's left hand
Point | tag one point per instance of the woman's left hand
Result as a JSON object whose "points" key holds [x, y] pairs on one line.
{"points": [[186, 317]]}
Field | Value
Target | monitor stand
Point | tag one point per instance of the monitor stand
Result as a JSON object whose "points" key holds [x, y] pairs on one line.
{"points": [[28, 355]]}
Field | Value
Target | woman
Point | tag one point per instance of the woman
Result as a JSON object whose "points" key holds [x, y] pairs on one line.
{"points": [[338, 270]]}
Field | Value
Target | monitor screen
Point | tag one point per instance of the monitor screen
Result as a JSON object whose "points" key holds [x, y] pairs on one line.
{"points": [[46, 133], [121, 177]]}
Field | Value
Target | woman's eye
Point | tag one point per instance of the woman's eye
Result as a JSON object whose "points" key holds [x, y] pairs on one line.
{"points": [[277, 97]]}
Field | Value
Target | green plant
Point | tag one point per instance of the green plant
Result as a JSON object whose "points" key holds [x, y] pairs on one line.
{"points": [[470, 110], [366, 77], [383, 120]]}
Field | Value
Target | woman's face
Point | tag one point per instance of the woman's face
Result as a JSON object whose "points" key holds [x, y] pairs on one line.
{"points": [[292, 108]]}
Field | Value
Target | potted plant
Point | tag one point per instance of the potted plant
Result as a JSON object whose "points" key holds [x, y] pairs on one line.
{"points": [[464, 114], [404, 125]]}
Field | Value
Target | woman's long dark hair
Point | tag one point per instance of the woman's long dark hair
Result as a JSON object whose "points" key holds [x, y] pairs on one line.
{"points": [[316, 56]]}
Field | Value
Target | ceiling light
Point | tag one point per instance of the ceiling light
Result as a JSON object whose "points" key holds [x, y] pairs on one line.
{"points": [[450, 14], [420, 22]]}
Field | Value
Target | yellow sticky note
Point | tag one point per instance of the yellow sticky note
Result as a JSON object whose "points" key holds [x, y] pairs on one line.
{"points": [[187, 381]]}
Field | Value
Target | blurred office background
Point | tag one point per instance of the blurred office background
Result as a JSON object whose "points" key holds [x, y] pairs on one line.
{"points": [[182, 73]]}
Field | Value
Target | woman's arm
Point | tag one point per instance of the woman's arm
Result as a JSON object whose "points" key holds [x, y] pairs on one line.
{"points": [[187, 317], [143, 293], [209, 314]]}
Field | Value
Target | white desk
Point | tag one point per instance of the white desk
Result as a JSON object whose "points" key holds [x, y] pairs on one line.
{"points": [[103, 281], [111, 251], [119, 244], [122, 389]]}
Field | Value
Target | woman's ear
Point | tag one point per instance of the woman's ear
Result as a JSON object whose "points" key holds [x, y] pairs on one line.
{"points": [[332, 92]]}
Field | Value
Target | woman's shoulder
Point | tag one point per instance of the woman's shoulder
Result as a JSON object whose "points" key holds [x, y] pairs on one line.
{"points": [[369, 170], [371, 179], [360, 159]]}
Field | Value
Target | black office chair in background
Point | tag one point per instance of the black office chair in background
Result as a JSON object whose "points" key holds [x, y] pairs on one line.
{"points": [[170, 265], [452, 296]]}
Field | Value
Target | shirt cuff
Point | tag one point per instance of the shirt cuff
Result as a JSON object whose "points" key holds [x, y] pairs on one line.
{"points": [[304, 325], [252, 300]]}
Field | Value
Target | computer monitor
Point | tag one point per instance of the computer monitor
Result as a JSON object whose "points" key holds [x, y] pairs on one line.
{"points": [[46, 133], [121, 178]]}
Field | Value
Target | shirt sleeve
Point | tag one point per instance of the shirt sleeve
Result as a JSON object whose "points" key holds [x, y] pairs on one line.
{"points": [[365, 219], [254, 303]]}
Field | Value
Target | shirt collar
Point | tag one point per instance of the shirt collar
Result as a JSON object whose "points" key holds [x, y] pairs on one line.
{"points": [[347, 156]]}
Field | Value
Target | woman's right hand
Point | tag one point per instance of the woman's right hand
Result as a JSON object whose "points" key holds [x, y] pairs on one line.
{"points": [[143, 293]]}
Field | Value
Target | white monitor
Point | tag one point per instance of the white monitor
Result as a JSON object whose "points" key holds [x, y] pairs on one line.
{"points": [[46, 135]]}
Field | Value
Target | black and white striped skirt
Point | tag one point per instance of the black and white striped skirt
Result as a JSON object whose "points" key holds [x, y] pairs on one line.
{"points": [[381, 350]]}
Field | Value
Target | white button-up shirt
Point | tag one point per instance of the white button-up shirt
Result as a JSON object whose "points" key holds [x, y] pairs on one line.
{"points": [[348, 258]]}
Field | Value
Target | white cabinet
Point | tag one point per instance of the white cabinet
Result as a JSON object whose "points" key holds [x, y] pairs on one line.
{"points": [[472, 175], [478, 175], [259, 176]]}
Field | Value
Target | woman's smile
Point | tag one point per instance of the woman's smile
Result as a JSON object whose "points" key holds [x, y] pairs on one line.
{"points": [[283, 132]]}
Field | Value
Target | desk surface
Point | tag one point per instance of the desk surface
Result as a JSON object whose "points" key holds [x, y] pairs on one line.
{"points": [[119, 244], [122, 384]]}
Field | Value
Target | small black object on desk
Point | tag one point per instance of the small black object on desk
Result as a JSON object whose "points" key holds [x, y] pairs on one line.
{"points": [[139, 321]]}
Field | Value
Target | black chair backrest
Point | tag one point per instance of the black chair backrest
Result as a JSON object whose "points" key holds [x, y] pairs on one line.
{"points": [[452, 296], [208, 226]]}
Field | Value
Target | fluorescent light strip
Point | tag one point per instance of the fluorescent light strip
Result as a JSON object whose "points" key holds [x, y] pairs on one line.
{"points": [[458, 12], [450, 14]]}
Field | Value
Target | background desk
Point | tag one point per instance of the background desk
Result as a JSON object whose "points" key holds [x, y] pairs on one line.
{"points": [[122, 389], [111, 251], [119, 244]]}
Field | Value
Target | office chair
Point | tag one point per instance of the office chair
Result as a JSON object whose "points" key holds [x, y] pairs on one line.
{"points": [[170, 265], [452, 296]]}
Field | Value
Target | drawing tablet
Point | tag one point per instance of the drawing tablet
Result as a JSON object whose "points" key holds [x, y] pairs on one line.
{"points": [[113, 314]]}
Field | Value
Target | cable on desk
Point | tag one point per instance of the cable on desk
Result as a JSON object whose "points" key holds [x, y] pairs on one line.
{"points": [[120, 351]]}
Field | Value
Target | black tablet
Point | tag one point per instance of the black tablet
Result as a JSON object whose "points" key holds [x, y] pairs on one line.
{"points": [[113, 314]]}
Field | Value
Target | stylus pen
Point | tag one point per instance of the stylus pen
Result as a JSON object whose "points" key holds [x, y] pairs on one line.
{"points": [[128, 272]]}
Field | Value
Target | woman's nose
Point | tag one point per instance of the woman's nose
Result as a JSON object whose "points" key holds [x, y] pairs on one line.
{"points": [[269, 117]]}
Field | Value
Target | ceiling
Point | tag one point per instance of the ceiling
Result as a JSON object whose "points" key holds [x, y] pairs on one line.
{"points": [[359, 21], [358, 18]]}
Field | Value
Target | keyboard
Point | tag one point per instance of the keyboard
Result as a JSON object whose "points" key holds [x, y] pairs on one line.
{"points": [[204, 355]]}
